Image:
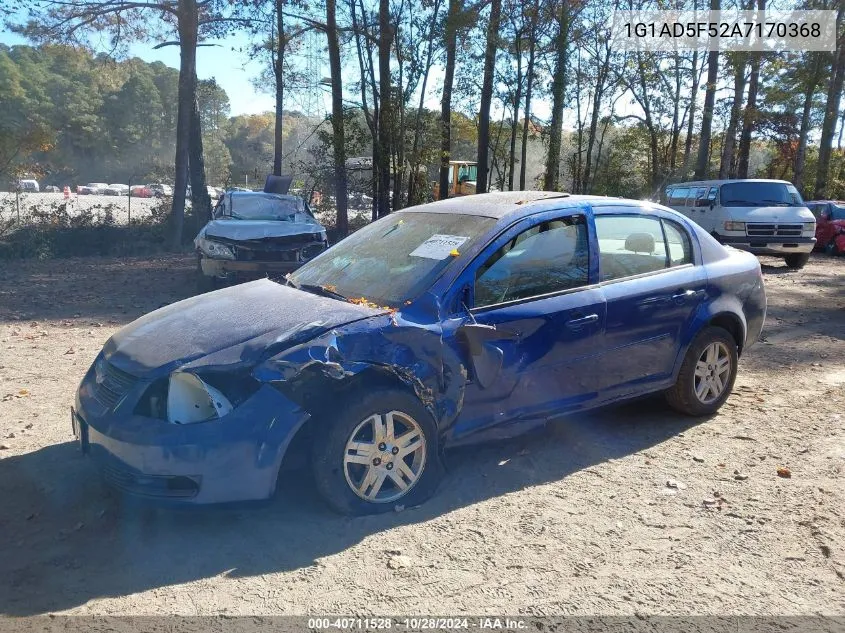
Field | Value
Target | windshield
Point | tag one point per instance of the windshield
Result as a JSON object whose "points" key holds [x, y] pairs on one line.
{"points": [[760, 194], [264, 207], [394, 259]]}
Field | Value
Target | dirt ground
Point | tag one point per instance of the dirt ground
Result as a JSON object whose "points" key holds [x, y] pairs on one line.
{"points": [[633, 510]]}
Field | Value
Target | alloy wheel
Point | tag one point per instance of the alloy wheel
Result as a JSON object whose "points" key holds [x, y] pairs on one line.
{"points": [[712, 372], [384, 457]]}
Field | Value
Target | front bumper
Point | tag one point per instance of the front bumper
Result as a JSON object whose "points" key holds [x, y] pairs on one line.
{"points": [[769, 246], [235, 458], [225, 267]]}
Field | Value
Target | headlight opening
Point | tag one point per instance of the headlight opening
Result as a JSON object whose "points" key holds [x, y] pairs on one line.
{"points": [[216, 250], [191, 400]]}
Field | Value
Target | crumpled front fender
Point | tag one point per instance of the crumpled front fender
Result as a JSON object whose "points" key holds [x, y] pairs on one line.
{"points": [[412, 353]]}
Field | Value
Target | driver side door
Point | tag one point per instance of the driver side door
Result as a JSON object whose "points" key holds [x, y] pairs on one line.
{"points": [[534, 333]]}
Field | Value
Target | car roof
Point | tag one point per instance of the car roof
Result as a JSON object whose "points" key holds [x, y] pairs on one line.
{"points": [[500, 205], [492, 205], [726, 182], [262, 194]]}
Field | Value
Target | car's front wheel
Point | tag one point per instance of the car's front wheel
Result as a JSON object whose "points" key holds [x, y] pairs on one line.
{"points": [[797, 260], [376, 451], [707, 374]]}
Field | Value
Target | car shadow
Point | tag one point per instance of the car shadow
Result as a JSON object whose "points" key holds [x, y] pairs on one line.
{"points": [[67, 539]]}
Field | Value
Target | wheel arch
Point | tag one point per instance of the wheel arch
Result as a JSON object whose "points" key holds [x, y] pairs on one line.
{"points": [[731, 322], [725, 313], [318, 391]]}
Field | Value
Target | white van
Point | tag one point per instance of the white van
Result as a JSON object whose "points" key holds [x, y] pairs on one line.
{"points": [[764, 217]]}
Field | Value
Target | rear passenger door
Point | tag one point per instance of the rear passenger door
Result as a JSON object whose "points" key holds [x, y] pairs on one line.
{"points": [[653, 288]]}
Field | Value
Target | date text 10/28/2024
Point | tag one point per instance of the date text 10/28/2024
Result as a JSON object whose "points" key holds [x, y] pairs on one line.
{"points": [[418, 623]]}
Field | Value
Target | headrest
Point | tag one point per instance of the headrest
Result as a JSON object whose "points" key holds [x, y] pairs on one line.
{"points": [[640, 243], [277, 184]]}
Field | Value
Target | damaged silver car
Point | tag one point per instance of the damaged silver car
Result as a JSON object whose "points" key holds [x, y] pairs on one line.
{"points": [[256, 234]]}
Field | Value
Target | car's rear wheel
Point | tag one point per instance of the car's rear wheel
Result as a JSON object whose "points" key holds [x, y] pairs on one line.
{"points": [[377, 450], [832, 248], [797, 260], [707, 374]]}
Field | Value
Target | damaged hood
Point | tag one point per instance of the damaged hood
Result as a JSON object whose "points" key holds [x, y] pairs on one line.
{"points": [[228, 326], [238, 230]]}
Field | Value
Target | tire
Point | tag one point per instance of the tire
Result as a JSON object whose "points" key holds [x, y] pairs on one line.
{"points": [[797, 261], [352, 420], [683, 396]]}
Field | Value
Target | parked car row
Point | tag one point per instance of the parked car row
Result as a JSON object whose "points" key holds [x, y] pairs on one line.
{"points": [[215, 193], [151, 190]]}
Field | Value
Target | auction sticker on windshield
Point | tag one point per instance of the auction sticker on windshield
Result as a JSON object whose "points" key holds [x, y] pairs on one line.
{"points": [[438, 246]]}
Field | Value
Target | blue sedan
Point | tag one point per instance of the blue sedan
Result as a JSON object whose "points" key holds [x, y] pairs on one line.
{"points": [[449, 323]]}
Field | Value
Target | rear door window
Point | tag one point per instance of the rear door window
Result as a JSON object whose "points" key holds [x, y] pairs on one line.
{"points": [[632, 245], [678, 244], [629, 245]]}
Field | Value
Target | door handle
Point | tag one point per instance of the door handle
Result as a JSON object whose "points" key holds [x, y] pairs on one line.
{"points": [[578, 323], [682, 295], [653, 302]]}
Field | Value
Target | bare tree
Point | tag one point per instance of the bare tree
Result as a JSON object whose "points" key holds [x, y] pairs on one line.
{"points": [[529, 86], [338, 132], [385, 39], [551, 180], [704, 137], [726, 166], [451, 41], [831, 111], [812, 68], [487, 95]]}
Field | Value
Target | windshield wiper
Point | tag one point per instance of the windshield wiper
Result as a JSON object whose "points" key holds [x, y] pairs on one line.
{"points": [[316, 289], [778, 203]]}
